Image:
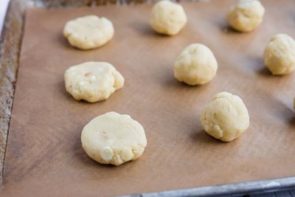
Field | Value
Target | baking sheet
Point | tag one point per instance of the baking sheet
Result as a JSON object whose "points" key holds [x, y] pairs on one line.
{"points": [[44, 156]]}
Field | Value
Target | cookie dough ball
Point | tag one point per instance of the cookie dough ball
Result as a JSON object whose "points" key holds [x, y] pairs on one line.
{"points": [[89, 32], [279, 54], [196, 65], [225, 117], [92, 81], [168, 17], [113, 138], [246, 15]]}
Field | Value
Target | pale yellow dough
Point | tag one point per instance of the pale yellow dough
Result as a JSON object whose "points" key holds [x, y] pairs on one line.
{"points": [[279, 54], [225, 117], [89, 32], [92, 81], [168, 17], [246, 16], [196, 65], [113, 138]]}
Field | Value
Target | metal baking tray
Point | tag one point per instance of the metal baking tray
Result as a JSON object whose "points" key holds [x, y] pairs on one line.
{"points": [[10, 43]]}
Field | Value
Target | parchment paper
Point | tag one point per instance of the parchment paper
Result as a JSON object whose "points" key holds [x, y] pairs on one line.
{"points": [[44, 155]]}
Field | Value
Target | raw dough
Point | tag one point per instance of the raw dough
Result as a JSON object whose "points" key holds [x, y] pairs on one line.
{"points": [[92, 81], [113, 138], [168, 17], [246, 15], [225, 117], [195, 65], [279, 54], [89, 32]]}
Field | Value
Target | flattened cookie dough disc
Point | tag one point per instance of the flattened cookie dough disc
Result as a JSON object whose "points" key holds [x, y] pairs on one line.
{"points": [[92, 81], [89, 32], [113, 138]]}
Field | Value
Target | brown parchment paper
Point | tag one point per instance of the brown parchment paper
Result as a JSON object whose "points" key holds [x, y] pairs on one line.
{"points": [[44, 155]]}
